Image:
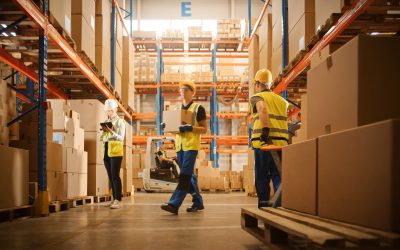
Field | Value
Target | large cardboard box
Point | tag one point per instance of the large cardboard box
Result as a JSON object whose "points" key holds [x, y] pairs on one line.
{"points": [[55, 185], [97, 179], [86, 8], [103, 7], [127, 159], [118, 60], [360, 168], [92, 113], [297, 9], [137, 183], [71, 185], [94, 147], [299, 177], [84, 36], [301, 34], [301, 134], [349, 89], [83, 182], [103, 43], [136, 160], [174, 118], [13, 177], [74, 161], [61, 11], [276, 62]]}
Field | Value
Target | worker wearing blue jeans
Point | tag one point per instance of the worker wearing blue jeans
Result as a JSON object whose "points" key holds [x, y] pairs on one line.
{"points": [[269, 127], [187, 145]]}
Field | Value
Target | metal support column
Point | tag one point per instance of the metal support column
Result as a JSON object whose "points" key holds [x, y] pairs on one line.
{"points": [[159, 97], [113, 41], [285, 39], [249, 16], [213, 110], [43, 199], [131, 17]]}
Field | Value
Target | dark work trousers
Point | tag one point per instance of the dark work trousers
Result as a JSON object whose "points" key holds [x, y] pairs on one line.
{"points": [[187, 180], [265, 171], [113, 166]]}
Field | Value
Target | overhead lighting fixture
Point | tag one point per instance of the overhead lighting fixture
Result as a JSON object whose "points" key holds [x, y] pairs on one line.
{"points": [[13, 34], [374, 33], [4, 25], [4, 34]]}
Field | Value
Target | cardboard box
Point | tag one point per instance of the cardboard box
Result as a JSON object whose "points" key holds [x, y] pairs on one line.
{"points": [[94, 147], [276, 11], [204, 183], [55, 185], [83, 181], [136, 161], [137, 183], [74, 161], [83, 34], [97, 180], [323, 54], [301, 134], [127, 159], [174, 118], [254, 60], [103, 7], [324, 9], [299, 177], [297, 9], [71, 185], [301, 34], [276, 62], [85, 8], [29, 131], [118, 60], [61, 11], [343, 91], [103, 63], [360, 168], [75, 136], [13, 177], [92, 113], [250, 158]]}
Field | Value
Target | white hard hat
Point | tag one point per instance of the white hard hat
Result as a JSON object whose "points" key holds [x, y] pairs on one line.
{"points": [[110, 104]]}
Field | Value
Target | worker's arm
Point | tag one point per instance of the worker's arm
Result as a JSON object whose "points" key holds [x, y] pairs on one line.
{"points": [[202, 128], [263, 113]]}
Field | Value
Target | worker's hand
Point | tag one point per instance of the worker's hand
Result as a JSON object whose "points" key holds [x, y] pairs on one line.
{"points": [[264, 137], [185, 128], [162, 125], [107, 129]]}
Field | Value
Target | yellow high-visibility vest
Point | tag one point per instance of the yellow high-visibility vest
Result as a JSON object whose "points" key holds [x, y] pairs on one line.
{"points": [[115, 147], [189, 140], [277, 117]]}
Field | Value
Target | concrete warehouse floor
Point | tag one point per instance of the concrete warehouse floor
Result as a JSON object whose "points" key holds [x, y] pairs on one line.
{"points": [[139, 224]]}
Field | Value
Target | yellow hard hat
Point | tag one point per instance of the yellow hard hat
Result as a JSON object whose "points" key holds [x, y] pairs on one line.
{"points": [[189, 84], [263, 76]]}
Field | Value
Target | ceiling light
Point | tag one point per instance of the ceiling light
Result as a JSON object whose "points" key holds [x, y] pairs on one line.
{"points": [[4, 34], [4, 26]]}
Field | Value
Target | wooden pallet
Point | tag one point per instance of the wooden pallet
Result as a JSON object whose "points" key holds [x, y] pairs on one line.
{"points": [[13, 213], [58, 206], [102, 198], [282, 229]]}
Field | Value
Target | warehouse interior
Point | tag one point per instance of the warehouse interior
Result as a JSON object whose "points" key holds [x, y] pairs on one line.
{"points": [[225, 124]]}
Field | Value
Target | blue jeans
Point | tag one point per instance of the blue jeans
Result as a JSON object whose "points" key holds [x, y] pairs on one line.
{"points": [[265, 170], [187, 180]]}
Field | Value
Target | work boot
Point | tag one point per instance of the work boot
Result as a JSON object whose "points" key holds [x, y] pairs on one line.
{"points": [[116, 204], [193, 209], [110, 203], [169, 208]]}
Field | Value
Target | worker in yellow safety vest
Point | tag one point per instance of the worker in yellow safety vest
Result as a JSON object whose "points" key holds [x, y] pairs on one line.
{"points": [[269, 126], [113, 149], [187, 144]]}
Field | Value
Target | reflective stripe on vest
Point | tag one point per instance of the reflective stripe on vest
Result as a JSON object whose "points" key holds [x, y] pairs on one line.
{"points": [[277, 118], [189, 140], [115, 147]]}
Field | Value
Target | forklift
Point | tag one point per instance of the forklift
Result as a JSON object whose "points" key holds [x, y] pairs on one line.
{"points": [[158, 175]]}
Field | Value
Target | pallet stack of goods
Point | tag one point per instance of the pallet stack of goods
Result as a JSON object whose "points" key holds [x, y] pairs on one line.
{"points": [[14, 169], [173, 35], [103, 38], [60, 14], [347, 154], [202, 77], [128, 73], [227, 74], [145, 68], [196, 33], [138, 165], [228, 29], [71, 180], [92, 114], [127, 162], [83, 27], [210, 178]]}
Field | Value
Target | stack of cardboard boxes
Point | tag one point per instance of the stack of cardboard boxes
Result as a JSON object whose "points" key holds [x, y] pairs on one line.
{"points": [[197, 32], [70, 180], [172, 34], [119, 34], [128, 71], [228, 29], [60, 11], [126, 167], [209, 178], [248, 174], [202, 77], [145, 68], [301, 25], [92, 114], [347, 168], [276, 58], [83, 26], [138, 165], [103, 38]]}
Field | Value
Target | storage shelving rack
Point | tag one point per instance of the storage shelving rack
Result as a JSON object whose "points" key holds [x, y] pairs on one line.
{"points": [[55, 52]]}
